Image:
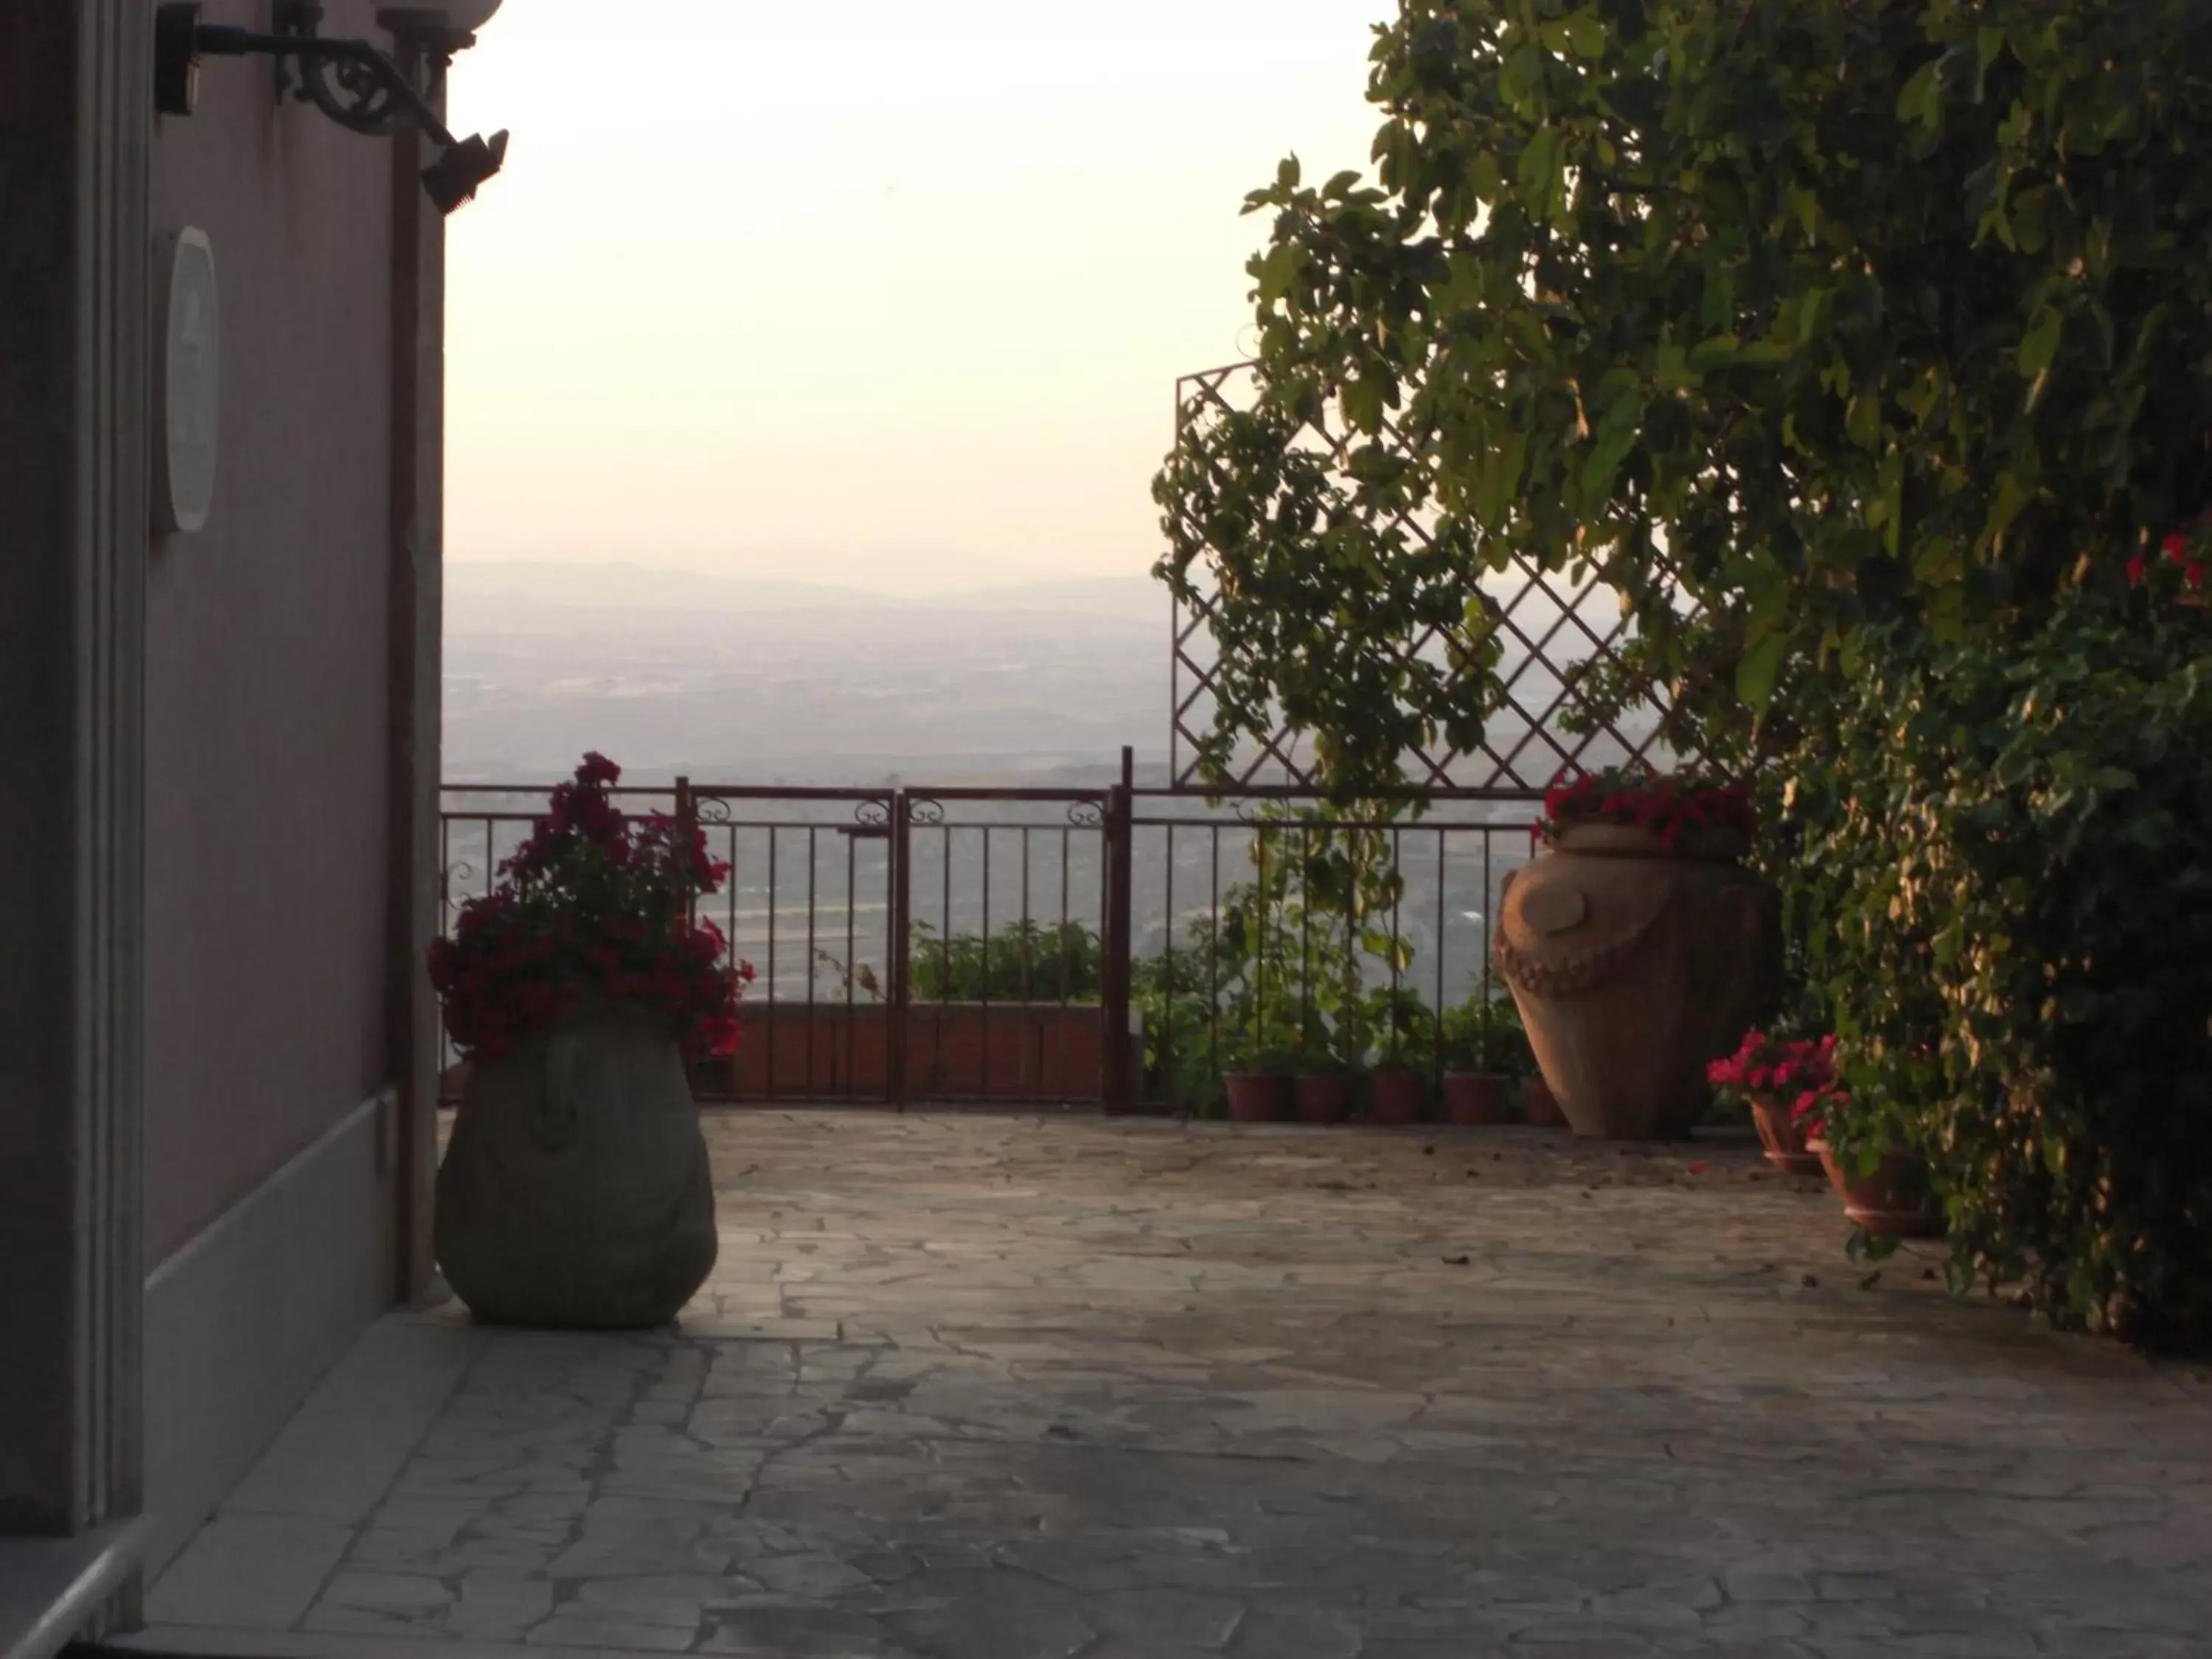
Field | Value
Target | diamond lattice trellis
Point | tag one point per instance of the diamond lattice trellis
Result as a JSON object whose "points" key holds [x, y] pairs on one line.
{"points": [[1557, 628]]}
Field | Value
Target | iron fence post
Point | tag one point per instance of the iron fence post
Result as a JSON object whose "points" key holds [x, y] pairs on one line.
{"points": [[1117, 1082], [901, 946], [687, 817]]}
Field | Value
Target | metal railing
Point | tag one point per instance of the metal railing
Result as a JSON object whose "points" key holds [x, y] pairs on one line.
{"points": [[1115, 946]]}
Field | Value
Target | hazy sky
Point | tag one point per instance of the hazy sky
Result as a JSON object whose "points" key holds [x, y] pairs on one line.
{"points": [[886, 294]]}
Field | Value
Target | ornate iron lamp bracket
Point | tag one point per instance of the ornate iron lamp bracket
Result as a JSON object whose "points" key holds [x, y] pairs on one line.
{"points": [[352, 81]]}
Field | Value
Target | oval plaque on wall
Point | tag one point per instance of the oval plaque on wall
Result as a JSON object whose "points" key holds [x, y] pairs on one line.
{"points": [[188, 394]]}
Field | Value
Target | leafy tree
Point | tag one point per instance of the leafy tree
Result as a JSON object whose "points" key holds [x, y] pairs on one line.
{"points": [[1865, 348], [1822, 313]]}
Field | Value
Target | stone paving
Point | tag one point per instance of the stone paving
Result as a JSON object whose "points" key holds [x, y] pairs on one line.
{"points": [[989, 1388]]}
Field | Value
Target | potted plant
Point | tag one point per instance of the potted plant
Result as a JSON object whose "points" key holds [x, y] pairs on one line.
{"points": [[1540, 1107], [1256, 1064], [575, 1193], [1398, 1088], [1884, 1188], [1485, 1052], [1777, 1079], [1321, 1085], [1637, 947], [1324, 1062]]}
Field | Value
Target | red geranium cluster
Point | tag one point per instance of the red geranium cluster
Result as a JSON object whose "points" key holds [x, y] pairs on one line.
{"points": [[1800, 1071], [1667, 807], [2183, 551], [594, 904]]}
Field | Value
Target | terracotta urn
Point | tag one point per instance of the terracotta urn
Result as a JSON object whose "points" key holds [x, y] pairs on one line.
{"points": [[576, 1193], [1398, 1096], [1634, 965]]}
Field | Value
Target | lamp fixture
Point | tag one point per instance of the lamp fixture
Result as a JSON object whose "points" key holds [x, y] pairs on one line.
{"points": [[352, 81]]}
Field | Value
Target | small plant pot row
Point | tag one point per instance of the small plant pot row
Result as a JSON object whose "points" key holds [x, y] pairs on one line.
{"points": [[1470, 1099]]}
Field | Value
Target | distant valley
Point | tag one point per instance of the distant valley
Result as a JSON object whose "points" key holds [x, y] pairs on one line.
{"points": [[741, 682], [733, 681]]}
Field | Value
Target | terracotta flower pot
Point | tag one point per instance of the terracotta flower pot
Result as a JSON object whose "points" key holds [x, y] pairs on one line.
{"points": [[1256, 1097], [1398, 1096], [575, 1194], [1541, 1105], [1473, 1100], [1883, 1203], [1323, 1096], [1785, 1147], [1634, 965]]}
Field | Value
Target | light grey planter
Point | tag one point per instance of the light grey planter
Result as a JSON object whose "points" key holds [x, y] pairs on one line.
{"points": [[575, 1194]]}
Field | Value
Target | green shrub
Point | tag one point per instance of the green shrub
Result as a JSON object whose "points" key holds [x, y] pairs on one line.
{"points": [[1026, 961], [1184, 1056], [2007, 869]]}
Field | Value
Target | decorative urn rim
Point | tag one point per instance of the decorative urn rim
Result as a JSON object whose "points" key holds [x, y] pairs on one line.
{"points": [[1714, 844]]}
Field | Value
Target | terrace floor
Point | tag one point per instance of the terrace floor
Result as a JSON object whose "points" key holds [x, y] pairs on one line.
{"points": [[989, 1388]]}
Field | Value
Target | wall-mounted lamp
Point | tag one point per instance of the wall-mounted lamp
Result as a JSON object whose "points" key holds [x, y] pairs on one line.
{"points": [[352, 81]]}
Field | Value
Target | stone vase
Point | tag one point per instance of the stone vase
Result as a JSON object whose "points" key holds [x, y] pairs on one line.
{"points": [[1634, 966], [575, 1194]]}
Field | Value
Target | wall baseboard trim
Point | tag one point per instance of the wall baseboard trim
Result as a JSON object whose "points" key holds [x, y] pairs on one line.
{"points": [[52, 1590], [245, 1320]]}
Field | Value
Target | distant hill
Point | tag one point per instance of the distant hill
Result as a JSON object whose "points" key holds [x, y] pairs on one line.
{"points": [[1132, 597], [625, 587], [758, 681], [746, 680]]}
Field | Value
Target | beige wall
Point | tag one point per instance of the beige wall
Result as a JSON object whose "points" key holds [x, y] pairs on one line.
{"points": [[267, 680]]}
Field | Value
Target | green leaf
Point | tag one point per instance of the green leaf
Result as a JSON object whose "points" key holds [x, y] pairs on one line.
{"points": [[1617, 433], [1498, 480], [1587, 34], [1280, 270], [1756, 674], [1540, 173], [2041, 345], [1714, 352], [1863, 420], [2012, 498], [1922, 100], [1989, 41]]}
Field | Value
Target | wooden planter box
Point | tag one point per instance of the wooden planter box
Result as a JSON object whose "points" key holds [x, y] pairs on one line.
{"points": [[954, 1051], [1019, 1053]]}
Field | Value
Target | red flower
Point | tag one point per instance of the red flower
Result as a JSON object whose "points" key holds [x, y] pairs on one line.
{"points": [[1663, 806], [592, 903]]}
